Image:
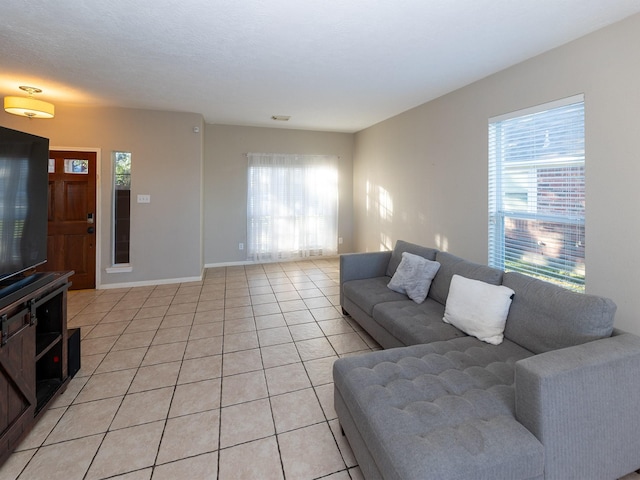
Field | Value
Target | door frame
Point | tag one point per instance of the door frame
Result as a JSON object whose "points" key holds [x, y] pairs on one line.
{"points": [[98, 224]]}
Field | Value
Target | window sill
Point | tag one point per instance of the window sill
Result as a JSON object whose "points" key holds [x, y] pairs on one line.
{"points": [[120, 268]]}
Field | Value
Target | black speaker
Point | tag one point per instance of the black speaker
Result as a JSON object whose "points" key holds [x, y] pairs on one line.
{"points": [[73, 351]]}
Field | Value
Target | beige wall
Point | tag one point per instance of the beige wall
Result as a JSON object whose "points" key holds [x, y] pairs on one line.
{"points": [[166, 235], [197, 183], [225, 181], [422, 176]]}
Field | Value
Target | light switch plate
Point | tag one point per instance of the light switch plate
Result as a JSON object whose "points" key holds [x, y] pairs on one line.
{"points": [[144, 198]]}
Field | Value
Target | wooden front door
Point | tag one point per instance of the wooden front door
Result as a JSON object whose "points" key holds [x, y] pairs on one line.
{"points": [[72, 216]]}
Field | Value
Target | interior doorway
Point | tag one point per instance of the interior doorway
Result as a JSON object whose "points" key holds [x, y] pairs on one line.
{"points": [[72, 237]]}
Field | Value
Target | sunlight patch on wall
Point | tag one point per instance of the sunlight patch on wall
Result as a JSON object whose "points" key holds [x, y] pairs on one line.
{"points": [[379, 208], [385, 204], [386, 243], [379, 201], [442, 242]]}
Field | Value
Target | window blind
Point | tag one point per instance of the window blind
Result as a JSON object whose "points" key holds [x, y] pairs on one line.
{"points": [[537, 192]]}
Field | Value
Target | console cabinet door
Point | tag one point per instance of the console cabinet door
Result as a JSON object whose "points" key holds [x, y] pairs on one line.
{"points": [[17, 382]]}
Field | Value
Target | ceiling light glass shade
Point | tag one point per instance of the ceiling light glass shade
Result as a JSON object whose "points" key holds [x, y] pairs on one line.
{"points": [[28, 107]]}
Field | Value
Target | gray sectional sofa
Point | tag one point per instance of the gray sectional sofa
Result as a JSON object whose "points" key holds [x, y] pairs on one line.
{"points": [[556, 399]]}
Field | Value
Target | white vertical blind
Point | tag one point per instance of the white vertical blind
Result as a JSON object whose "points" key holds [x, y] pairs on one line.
{"points": [[537, 192], [292, 206]]}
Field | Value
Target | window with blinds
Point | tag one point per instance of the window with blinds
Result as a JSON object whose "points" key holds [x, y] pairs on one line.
{"points": [[537, 192]]}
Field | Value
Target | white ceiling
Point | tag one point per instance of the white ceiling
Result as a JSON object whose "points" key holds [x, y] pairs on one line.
{"points": [[335, 65]]}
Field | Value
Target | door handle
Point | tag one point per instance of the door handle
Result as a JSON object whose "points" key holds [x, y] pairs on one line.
{"points": [[90, 230]]}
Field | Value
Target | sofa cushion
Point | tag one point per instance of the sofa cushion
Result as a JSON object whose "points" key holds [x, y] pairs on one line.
{"points": [[412, 323], [478, 308], [368, 292], [401, 247], [413, 276], [441, 411], [451, 265], [546, 317]]}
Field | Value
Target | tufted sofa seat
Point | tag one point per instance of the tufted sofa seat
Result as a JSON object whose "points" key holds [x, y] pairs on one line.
{"points": [[554, 400], [405, 321], [442, 400]]}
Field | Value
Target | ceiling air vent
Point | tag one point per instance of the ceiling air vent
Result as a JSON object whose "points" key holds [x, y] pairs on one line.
{"points": [[281, 118]]}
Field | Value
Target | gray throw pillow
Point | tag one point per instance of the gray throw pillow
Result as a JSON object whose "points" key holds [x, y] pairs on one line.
{"points": [[401, 247], [413, 276]]}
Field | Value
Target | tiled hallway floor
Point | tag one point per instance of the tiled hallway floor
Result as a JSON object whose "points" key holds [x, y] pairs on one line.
{"points": [[228, 378]]}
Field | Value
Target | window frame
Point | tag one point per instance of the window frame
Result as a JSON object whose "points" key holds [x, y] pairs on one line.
{"points": [[536, 198]]}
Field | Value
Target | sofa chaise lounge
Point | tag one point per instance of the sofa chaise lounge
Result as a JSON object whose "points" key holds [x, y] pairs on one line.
{"points": [[557, 398]]}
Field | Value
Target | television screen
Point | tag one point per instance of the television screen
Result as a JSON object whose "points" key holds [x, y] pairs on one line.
{"points": [[23, 201]]}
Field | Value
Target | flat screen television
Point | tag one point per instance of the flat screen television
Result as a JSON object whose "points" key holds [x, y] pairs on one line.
{"points": [[24, 160]]}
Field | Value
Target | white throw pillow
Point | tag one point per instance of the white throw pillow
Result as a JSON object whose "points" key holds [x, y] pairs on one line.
{"points": [[478, 308], [413, 276]]}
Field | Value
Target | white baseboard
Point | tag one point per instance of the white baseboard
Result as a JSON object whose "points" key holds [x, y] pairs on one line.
{"points": [[229, 264], [167, 281], [149, 283], [264, 262]]}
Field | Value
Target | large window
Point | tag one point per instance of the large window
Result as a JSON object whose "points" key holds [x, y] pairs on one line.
{"points": [[292, 206], [537, 192]]}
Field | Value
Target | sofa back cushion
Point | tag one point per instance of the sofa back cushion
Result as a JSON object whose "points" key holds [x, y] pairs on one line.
{"points": [[451, 265], [546, 317], [402, 246]]}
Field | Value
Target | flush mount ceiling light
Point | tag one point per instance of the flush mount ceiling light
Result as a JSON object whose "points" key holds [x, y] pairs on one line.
{"points": [[29, 106]]}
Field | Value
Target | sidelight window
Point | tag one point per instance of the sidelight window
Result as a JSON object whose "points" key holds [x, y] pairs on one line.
{"points": [[121, 207]]}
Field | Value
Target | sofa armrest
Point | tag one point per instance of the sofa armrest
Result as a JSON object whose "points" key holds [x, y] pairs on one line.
{"points": [[358, 266], [581, 403]]}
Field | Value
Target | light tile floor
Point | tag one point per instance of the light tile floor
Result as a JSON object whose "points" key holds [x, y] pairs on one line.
{"points": [[228, 378]]}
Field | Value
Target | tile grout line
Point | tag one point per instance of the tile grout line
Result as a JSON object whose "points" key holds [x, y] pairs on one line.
{"points": [[224, 296], [298, 278], [174, 387], [104, 434]]}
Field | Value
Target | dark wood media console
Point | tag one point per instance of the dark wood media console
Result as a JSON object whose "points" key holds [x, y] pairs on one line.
{"points": [[33, 353]]}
